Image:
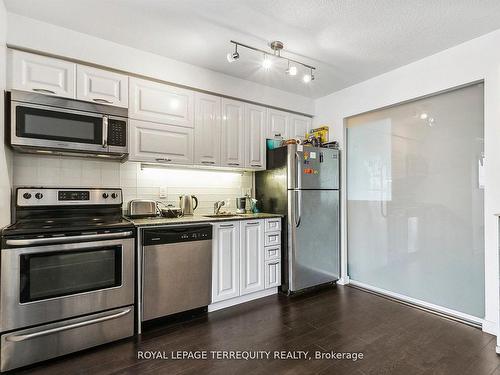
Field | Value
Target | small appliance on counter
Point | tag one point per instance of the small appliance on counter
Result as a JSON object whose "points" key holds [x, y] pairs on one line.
{"points": [[142, 208], [186, 204], [67, 274], [241, 204], [170, 212]]}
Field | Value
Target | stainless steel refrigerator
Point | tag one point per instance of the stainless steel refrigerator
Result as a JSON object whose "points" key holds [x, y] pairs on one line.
{"points": [[302, 183]]}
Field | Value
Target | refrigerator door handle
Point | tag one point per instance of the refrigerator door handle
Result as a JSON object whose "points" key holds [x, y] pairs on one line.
{"points": [[298, 172], [298, 207]]}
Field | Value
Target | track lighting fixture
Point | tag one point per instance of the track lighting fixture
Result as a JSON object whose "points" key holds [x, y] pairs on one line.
{"points": [[233, 56], [267, 62], [291, 70]]}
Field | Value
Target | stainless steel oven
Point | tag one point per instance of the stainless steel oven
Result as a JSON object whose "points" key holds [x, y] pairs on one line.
{"points": [[47, 282], [66, 274], [41, 123]]}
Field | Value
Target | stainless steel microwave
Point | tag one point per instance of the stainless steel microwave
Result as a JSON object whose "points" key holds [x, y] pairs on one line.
{"points": [[48, 124]]}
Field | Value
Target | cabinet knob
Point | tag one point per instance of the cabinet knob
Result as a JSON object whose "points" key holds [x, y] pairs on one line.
{"points": [[26, 195], [38, 195]]}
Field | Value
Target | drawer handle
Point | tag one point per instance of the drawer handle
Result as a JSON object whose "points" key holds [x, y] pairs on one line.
{"points": [[44, 91], [234, 164], [226, 225], [17, 338], [253, 223], [99, 100], [273, 263], [163, 160], [208, 162], [256, 165]]}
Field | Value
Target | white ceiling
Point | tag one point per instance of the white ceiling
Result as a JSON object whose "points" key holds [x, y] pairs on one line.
{"points": [[348, 41]]}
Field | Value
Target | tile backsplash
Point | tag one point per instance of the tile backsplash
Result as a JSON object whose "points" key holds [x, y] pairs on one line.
{"points": [[208, 185]]}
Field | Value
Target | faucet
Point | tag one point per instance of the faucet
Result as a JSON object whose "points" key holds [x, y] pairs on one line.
{"points": [[217, 206]]}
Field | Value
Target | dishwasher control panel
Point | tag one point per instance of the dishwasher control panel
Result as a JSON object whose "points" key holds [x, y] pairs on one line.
{"points": [[166, 235]]}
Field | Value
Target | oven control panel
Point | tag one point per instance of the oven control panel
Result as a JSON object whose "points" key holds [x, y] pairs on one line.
{"points": [[26, 197]]}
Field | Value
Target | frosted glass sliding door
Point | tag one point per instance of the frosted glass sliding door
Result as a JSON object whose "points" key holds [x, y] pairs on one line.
{"points": [[415, 200]]}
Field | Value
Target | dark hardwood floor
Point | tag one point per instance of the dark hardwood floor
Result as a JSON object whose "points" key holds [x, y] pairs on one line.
{"points": [[394, 339]]}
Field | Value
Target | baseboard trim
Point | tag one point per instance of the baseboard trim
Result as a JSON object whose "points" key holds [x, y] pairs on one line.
{"points": [[429, 307], [490, 327], [344, 281], [241, 299]]}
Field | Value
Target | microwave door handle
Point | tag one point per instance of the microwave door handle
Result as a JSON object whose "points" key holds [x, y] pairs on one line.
{"points": [[105, 131]]}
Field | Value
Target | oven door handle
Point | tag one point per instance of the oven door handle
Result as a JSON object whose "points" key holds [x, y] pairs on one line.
{"points": [[68, 239], [17, 338]]}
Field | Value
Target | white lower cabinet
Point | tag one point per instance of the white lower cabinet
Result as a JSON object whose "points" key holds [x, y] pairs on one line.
{"points": [[225, 261], [243, 266], [273, 273], [251, 256]]}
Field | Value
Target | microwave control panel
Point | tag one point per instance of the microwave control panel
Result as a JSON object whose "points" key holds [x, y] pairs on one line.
{"points": [[117, 132]]}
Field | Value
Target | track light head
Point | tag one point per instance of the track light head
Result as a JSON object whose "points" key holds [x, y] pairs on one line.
{"points": [[291, 70], [306, 78], [233, 56], [267, 63]]}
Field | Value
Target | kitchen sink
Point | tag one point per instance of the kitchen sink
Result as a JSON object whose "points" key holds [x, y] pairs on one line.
{"points": [[222, 215]]}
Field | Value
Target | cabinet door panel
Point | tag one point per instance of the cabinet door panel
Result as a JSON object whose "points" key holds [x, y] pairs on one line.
{"points": [[278, 123], [226, 261], [160, 143], [45, 75], [207, 131], [273, 273], [233, 134], [252, 256], [158, 102], [101, 86], [300, 125], [255, 125]]}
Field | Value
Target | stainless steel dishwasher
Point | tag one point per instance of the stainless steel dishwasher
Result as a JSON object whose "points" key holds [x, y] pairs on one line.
{"points": [[177, 269]]}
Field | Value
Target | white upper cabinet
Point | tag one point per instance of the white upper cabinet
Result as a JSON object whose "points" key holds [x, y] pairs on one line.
{"points": [[278, 124], [226, 261], [158, 102], [255, 127], [207, 129], [101, 86], [299, 126], [45, 75], [233, 133], [152, 142], [251, 256]]}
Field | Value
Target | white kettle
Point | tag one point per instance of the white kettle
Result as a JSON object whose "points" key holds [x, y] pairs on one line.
{"points": [[186, 204]]}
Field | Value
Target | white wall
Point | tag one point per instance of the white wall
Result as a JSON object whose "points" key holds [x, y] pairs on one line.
{"points": [[208, 185], [5, 154], [478, 59], [39, 36]]}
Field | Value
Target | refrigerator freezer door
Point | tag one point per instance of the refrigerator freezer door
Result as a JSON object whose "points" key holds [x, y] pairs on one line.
{"points": [[312, 168], [313, 238]]}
